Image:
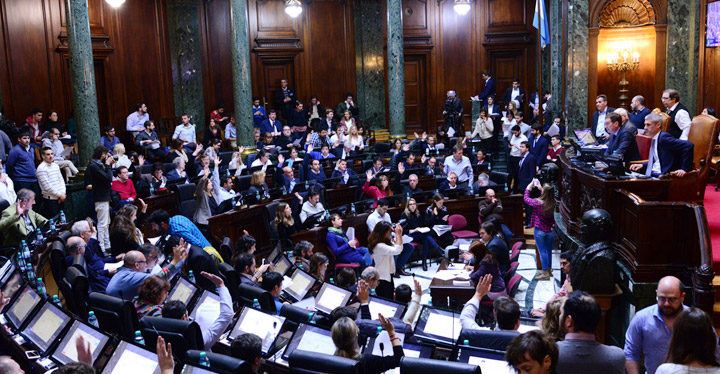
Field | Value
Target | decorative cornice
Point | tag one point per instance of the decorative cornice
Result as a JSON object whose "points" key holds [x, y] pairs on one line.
{"points": [[507, 37], [100, 44], [417, 40], [627, 13], [278, 42]]}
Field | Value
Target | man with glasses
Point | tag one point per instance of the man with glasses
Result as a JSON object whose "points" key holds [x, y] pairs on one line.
{"points": [[679, 126], [650, 330], [125, 283]]}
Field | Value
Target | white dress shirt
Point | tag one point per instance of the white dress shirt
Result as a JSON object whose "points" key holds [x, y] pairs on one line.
{"points": [[7, 190], [187, 134], [682, 119], [600, 125], [656, 169], [463, 169], [136, 122], [212, 322], [374, 218], [515, 93]]}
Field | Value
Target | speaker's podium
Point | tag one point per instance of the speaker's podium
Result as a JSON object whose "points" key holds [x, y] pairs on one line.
{"points": [[653, 236]]}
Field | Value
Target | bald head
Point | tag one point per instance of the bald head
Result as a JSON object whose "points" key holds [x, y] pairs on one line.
{"points": [[670, 297], [9, 366], [133, 260], [670, 284], [489, 193], [75, 245]]}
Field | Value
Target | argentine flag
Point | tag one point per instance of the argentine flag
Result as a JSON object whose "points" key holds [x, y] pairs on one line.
{"points": [[540, 22]]}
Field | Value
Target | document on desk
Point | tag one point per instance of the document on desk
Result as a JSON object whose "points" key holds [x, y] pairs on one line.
{"points": [[442, 229], [113, 265], [452, 274]]}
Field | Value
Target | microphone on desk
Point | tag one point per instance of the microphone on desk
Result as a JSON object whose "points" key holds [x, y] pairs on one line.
{"points": [[382, 349]]}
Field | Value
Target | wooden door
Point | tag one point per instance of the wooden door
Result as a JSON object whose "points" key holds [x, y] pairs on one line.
{"points": [[415, 94]]}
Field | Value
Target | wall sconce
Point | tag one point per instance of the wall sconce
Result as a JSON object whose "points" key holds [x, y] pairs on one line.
{"points": [[462, 7], [115, 3], [623, 60], [293, 8]]}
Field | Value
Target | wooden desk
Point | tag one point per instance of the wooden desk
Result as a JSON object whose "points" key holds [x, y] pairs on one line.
{"points": [[254, 219], [446, 295], [336, 197]]}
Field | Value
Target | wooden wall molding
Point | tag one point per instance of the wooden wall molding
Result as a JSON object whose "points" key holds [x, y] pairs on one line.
{"points": [[507, 37], [627, 13]]}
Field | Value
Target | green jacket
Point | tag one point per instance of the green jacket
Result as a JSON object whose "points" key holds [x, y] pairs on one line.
{"points": [[13, 226]]}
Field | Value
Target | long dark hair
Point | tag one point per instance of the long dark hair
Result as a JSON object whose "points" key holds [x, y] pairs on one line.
{"points": [[693, 339], [481, 252], [378, 235]]}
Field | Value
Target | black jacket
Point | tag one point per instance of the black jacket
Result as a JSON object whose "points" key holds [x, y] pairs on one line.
{"points": [[99, 175], [198, 261]]}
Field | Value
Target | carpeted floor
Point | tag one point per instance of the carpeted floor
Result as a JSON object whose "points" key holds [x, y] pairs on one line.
{"points": [[712, 211]]}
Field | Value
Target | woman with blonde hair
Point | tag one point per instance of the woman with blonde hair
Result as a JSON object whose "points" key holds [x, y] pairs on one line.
{"points": [[354, 141], [413, 223], [543, 221], [285, 225], [347, 119], [257, 183], [130, 211], [550, 323], [122, 158], [344, 334]]}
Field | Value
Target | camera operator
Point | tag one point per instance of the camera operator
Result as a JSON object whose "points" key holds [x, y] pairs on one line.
{"points": [[453, 112]]}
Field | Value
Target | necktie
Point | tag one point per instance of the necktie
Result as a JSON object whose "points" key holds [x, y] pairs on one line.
{"points": [[651, 158], [521, 162]]}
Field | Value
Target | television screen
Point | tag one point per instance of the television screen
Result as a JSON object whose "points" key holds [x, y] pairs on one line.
{"points": [[713, 24]]}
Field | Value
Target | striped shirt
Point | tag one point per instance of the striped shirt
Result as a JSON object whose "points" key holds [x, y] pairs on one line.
{"points": [[51, 180]]}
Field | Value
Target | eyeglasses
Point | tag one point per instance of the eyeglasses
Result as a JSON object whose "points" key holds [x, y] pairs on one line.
{"points": [[664, 98], [663, 300]]}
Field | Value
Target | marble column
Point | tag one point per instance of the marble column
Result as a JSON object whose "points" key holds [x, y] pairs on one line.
{"points": [[369, 62], [185, 52], [576, 72], [82, 77], [242, 87], [558, 58], [396, 67], [681, 71]]}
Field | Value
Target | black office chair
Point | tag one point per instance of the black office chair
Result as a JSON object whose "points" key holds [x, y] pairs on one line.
{"points": [[497, 340], [248, 293], [57, 260], [295, 315], [410, 365], [382, 147], [115, 315], [226, 249], [183, 335], [242, 182], [225, 157], [304, 362], [78, 285], [499, 177], [63, 236], [4, 204], [232, 279], [219, 362], [79, 263], [184, 191], [187, 208]]}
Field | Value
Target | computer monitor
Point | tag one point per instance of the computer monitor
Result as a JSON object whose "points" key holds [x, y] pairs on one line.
{"points": [[20, 309], [66, 351], [490, 361], [418, 350], [183, 291], [206, 310], [283, 265], [46, 326], [312, 339], [130, 358], [264, 325], [302, 282], [388, 308], [438, 325], [330, 297]]}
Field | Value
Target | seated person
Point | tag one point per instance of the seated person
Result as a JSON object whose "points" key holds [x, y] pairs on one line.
{"points": [[371, 277], [345, 335], [285, 176], [57, 146], [249, 273], [380, 189], [266, 143], [213, 151], [403, 294], [622, 142], [156, 178], [412, 187], [262, 159], [124, 186], [108, 140], [151, 295], [284, 141], [285, 225], [506, 312], [342, 170], [248, 347], [98, 277], [178, 171], [18, 220], [125, 283], [413, 224], [123, 235], [272, 283], [495, 244], [312, 205], [181, 226], [323, 154], [316, 172], [431, 166], [198, 261], [483, 180], [437, 214], [347, 279], [481, 160], [318, 266], [176, 309], [122, 158], [532, 350], [485, 263], [670, 154], [258, 185], [451, 184], [565, 261], [245, 245], [346, 251], [149, 141], [377, 166], [302, 253]]}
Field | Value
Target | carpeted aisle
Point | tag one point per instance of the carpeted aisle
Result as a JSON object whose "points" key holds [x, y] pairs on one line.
{"points": [[712, 211]]}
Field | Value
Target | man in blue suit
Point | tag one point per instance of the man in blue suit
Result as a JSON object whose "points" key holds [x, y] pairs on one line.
{"points": [[538, 144], [597, 123], [622, 143], [667, 153], [271, 125], [489, 88], [526, 172]]}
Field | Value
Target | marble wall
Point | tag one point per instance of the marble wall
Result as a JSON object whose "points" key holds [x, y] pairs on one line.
{"points": [[185, 55], [557, 56], [576, 68], [369, 61], [681, 71]]}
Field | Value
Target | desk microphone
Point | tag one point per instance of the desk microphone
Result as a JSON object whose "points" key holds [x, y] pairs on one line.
{"points": [[382, 349]]}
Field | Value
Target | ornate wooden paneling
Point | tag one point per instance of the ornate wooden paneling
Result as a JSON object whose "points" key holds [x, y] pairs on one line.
{"points": [[708, 73], [415, 93], [217, 70], [507, 14]]}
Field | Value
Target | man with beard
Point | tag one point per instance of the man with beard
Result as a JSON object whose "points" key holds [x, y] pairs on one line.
{"points": [[650, 330], [579, 351]]}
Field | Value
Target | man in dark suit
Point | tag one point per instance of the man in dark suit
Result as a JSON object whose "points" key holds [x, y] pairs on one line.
{"points": [[526, 172], [271, 124], [514, 93], [341, 170], [667, 154], [538, 144], [430, 165], [284, 99], [489, 87], [622, 143], [315, 171], [597, 124]]}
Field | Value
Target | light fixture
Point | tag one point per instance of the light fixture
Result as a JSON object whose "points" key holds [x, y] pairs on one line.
{"points": [[293, 8], [115, 3], [462, 7], [623, 60]]}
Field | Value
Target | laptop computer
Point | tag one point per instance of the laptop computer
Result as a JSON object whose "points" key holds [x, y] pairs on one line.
{"points": [[585, 137], [128, 355], [489, 361], [264, 325], [25, 301], [66, 351], [301, 284], [330, 297], [46, 326], [310, 338]]}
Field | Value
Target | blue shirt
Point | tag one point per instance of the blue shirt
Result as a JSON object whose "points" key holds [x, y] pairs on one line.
{"points": [[258, 118], [648, 334], [278, 304], [21, 164], [109, 144], [638, 118], [125, 283], [184, 228]]}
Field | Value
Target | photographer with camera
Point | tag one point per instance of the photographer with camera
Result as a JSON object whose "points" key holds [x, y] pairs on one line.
{"points": [[99, 176], [453, 111]]}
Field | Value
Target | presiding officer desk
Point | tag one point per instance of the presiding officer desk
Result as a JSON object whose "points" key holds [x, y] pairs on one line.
{"points": [[654, 237]]}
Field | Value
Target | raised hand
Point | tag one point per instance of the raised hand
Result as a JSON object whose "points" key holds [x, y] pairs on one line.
{"points": [[406, 147], [363, 292], [281, 158], [217, 281], [401, 167], [483, 286]]}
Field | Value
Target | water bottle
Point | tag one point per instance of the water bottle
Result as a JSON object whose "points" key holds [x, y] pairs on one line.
{"points": [[489, 167], [257, 196], [227, 172], [352, 209], [20, 261], [39, 236], [139, 338], [63, 219], [41, 288], [332, 281], [466, 342], [152, 189], [204, 361], [291, 256], [372, 293], [266, 195], [56, 301], [472, 192], [26, 252], [256, 304], [284, 190], [379, 330], [306, 185], [437, 191], [310, 318], [327, 215], [92, 319], [51, 225], [191, 276], [407, 197], [30, 274]]}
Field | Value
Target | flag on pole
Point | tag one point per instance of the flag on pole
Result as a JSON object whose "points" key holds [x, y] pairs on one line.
{"points": [[540, 22]]}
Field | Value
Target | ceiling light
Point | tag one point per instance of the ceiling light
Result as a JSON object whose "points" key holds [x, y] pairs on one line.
{"points": [[293, 8], [115, 3], [462, 7]]}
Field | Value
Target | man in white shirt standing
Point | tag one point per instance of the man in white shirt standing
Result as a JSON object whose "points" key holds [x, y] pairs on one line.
{"points": [[231, 132], [7, 187], [52, 184], [515, 154], [679, 126], [597, 123], [185, 132], [460, 165], [136, 120]]}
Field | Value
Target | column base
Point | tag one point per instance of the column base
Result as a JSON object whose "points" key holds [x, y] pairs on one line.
{"points": [[398, 136], [249, 150]]}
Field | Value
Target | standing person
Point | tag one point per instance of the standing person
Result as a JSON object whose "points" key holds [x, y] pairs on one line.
{"points": [[258, 110], [21, 164], [213, 131], [383, 251], [99, 175], [5, 146], [693, 345], [650, 330], [489, 89], [538, 144], [452, 112], [57, 146], [484, 129], [33, 124], [460, 165], [680, 121], [284, 99], [639, 111], [514, 93], [136, 120], [231, 132], [597, 123], [52, 184], [543, 220]]}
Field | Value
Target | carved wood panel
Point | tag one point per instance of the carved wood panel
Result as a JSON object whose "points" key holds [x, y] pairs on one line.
{"points": [[415, 94], [627, 13]]}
